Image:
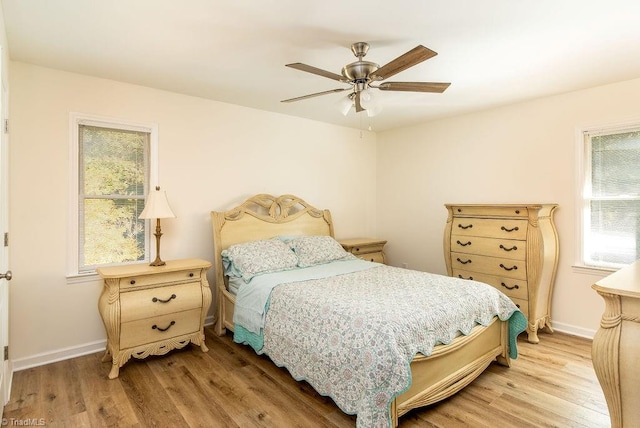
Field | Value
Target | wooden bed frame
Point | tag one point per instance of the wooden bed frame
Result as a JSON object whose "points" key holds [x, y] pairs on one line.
{"points": [[446, 371]]}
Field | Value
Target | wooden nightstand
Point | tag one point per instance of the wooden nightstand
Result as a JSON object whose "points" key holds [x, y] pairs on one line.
{"points": [[150, 310], [365, 248]]}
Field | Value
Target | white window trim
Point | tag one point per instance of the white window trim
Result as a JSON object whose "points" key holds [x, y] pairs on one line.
{"points": [[581, 176], [76, 119]]}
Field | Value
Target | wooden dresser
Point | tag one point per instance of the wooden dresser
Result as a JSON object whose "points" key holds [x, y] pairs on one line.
{"points": [[616, 345], [514, 248], [365, 248], [150, 310]]}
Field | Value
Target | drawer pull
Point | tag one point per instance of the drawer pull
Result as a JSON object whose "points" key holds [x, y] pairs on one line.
{"points": [[155, 327], [465, 227], [133, 281], [515, 229], [190, 274], [462, 277], [506, 268], [464, 262], [463, 244], [155, 299], [508, 249], [515, 287]]}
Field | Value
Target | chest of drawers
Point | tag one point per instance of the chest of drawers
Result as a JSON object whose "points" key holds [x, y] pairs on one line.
{"points": [[513, 248], [365, 248], [150, 310]]}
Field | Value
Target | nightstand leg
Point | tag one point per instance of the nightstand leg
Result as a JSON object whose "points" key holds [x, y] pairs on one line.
{"points": [[203, 346], [107, 356], [115, 371]]}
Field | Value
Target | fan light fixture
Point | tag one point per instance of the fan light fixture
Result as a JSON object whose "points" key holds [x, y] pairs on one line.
{"points": [[362, 75]]}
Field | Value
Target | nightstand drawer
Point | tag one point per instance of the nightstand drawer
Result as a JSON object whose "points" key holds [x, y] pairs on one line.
{"points": [[372, 257], [505, 248], [151, 302], [158, 279], [159, 328]]}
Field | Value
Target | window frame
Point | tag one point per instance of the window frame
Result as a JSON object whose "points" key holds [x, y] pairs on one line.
{"points": [[75, 120], [583, 179]]}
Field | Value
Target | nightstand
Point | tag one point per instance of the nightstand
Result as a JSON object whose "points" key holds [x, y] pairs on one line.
{"points": [[150, 310], [365, 248]]}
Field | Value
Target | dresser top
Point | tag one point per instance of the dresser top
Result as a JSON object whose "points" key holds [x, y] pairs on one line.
{"points": [[144, 269], [625, 282]]}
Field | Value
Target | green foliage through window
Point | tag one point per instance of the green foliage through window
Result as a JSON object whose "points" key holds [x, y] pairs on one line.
{"points": [[113, 174]]}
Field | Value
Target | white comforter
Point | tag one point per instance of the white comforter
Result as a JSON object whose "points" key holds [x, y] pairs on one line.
{"points": [[352, 336]]}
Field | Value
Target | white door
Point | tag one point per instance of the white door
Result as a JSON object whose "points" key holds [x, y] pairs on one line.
{"points": [[5, 274]]}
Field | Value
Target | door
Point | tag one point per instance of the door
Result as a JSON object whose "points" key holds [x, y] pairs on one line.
{"points": [[5, 274]]}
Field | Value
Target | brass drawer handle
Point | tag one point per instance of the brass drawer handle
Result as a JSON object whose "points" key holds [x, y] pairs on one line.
{"points": [[465, 227], [155, 299], [506, 268], [510, 230], [515, 287], [155, 327], [464, 262], [462, 277], [508, 249], [463, 244]]}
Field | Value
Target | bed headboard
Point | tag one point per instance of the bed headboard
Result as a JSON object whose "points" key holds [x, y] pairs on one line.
{"points": [[262, 217]]}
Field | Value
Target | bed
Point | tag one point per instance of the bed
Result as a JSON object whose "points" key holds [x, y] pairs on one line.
{"points": [[427, 376]]}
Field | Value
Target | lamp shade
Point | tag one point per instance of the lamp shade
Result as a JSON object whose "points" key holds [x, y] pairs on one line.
{"points": [[157, 205]]}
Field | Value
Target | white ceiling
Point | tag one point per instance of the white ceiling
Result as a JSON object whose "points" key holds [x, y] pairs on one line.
{"points": [[494, 52]]}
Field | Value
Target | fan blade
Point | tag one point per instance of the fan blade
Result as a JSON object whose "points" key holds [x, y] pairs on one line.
{"points": [[409, 59], [314, 70], [357, 102], [413, 86], [317, 94]]}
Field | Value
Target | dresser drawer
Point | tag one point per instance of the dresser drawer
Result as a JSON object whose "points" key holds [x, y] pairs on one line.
{"points": [[523, 306], [490, 211], [139, 304], [514, 288], [372, 257], [155, 329], [494, 247], [129, 282], [490, 265], [491, 228]]}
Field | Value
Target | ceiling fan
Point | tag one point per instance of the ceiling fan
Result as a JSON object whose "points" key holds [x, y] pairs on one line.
{"points": [[364, 75]]}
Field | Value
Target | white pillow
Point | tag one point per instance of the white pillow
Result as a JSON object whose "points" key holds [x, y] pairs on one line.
{"points": [[316, 249], [253, 258]]}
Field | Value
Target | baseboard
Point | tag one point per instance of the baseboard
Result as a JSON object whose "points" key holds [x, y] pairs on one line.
{"points": [[58, 355], [68, 353], [573, 330]]}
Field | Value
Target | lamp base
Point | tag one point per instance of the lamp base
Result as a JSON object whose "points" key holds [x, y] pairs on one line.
{"points": [[157, 262]]}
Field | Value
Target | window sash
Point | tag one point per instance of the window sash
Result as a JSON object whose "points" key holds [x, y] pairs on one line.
{"points": [[76, 270], [610, 214]]}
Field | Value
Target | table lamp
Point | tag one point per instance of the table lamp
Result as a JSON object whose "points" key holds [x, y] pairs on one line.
{"points": [[157, 207]]}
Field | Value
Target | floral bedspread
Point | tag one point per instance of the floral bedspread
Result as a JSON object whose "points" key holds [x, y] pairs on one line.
{"points": [[353, 336]]}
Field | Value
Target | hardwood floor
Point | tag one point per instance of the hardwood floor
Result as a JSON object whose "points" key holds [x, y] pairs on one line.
{"points": [[551, 384]]}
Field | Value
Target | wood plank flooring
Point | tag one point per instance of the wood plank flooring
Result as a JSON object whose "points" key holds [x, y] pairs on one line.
{"points": [[551, 384]]}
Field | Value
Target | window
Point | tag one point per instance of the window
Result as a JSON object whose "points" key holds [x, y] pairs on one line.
{"points": [[610, 215], [111, 174]]}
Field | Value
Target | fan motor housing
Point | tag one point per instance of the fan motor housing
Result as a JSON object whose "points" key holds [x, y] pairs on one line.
{"points": [[359, 70]]}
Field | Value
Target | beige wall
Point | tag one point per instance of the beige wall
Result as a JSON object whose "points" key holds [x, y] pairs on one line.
{"points": [[211, 157], [516, 154]]}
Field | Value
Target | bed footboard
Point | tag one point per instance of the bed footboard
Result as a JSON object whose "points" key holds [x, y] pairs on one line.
{"points": [[452, 367]]}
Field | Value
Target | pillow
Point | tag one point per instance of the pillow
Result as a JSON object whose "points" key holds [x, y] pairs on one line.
{"points": [[249, 259], [315, 250]]}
